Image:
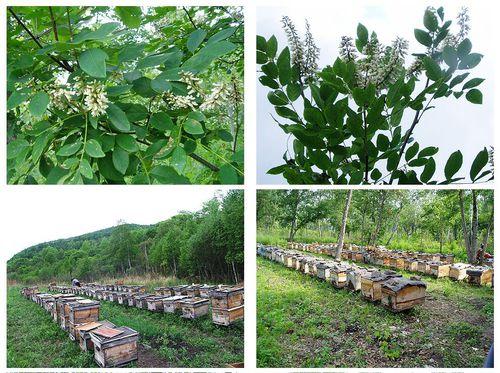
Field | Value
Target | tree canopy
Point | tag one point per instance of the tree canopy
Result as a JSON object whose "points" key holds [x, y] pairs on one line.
{"points": [[115, 95], [206, 245]]}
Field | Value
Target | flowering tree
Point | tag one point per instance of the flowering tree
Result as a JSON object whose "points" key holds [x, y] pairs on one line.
{"points": [[350, 127], [102, 95]]}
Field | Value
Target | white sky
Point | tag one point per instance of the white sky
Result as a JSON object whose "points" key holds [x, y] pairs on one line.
{"points": [[452, 125], [32, 215]]}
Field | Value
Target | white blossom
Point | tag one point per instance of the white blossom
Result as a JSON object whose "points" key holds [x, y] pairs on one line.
{"points": [[95, 99], [217, 96], [180, 102]]}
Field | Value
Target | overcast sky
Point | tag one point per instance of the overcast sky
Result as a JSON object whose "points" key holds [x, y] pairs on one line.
{"points": [[36, 215], [452, 125]]}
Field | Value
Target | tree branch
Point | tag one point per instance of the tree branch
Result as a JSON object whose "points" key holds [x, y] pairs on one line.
{"points": [[189, 16], [67, 68], [54, 25]]}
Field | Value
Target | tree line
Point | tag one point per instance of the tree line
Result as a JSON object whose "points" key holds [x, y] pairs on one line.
{"points": [[206, 245], [447, 221]]}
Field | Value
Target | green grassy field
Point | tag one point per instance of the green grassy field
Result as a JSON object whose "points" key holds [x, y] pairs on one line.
{"points": [[305, 322], [166, 340]]}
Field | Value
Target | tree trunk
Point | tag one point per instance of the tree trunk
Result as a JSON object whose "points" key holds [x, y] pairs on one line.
{"points": [[234, 272], [486, 237], [395, 226], [467, 241], [340, 244], [375, 234]]}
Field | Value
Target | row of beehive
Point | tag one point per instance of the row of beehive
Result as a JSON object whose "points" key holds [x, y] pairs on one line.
{"points": [[193, 301], [113, 346], [437, 265], [391, 289]]}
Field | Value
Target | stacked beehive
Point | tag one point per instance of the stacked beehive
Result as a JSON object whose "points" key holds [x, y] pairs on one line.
{"points": [[227, 305]]}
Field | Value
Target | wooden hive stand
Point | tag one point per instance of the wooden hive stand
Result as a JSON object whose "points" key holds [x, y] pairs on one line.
{"points": [[114, 347], [399, 294]]}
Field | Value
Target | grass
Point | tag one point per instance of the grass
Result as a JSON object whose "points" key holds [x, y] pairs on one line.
{"points": [[34, 340], [305, 322]]}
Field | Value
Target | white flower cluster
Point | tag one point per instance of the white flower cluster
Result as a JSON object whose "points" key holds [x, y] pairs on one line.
{"points": [[347, 50], [193, 82], [60, 97], [180, 102], [95, 98], [216, 97], [235, 92], [304, 55], [463, 20]]}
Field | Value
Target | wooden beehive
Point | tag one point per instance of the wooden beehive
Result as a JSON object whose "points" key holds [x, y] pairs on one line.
{"points": [[114, 347], [173, 303], [83, 333], [193, 291], [180, 290], [227, 298], [423, 266], [61, 307], [480, 275], [155, 303], [338, 276], [205, 290], [439, 269], [221, 316], [399, 294], [411, 265], [324, 271], [82, 312], [193, 308], [458, 271], [131, 300], [122, 298], [353, 281], [371, 284], [141, 300]]}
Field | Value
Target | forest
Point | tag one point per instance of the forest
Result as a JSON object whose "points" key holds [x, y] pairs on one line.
{"points": [[205, 246], [447, 221]]}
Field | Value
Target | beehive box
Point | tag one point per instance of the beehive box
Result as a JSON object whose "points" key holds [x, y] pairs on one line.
{"points": [[221, 316], [371, 284], [82, 312], [114, 347], [358, 257], [61, 306], [411, 265], [173, 303], [131, 300], [338, 276], [439, 269], [205, 290], [227, 298], [309, 266], [141, 300], [180, 290], [83, 333], [122, 298], [324, 271], [480, 275], [353, 281], [458, 271], [155, 303], [399, 294], [193, 308], [448, 258], [423, 266], [193, 290]]}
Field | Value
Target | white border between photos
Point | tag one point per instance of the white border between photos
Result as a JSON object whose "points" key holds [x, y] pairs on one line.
{"points": [[250, 186]]}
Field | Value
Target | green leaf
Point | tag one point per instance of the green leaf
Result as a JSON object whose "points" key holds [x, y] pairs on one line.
{"points": [[108, 170], [86, 169], [69, 149], [428, 171], [206, 55], [39, 146], [142, 86], [130, 52], [277, 98], [118, 118], [411, 151], [121, 160], [453, 164], [473, 83], [450, 56], [458, 79], [314, 116], [193, 127], [261, 44], [131, 16], [268, 82], [382, 142], [475, 96], [376, 174], [93, 62], [222, 35], [428, 152], [285, 112], [160, 85], [127, 142], [161, 121], [93, 148], [38, 104], [432, 69], [423, 37], [228, 175], [101, 33], [195, 39], [179, 159], [167, 175], [464, 48], [293, 91], [479, 162], [430, 20], [225, 135], [272, 47], [118, 89], [362, 33], [16, 99], [15, 147], [284, 68]]}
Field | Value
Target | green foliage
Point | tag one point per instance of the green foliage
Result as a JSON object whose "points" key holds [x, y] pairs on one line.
{"points": [[206, 245], [345, 119], [168, 78]]}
